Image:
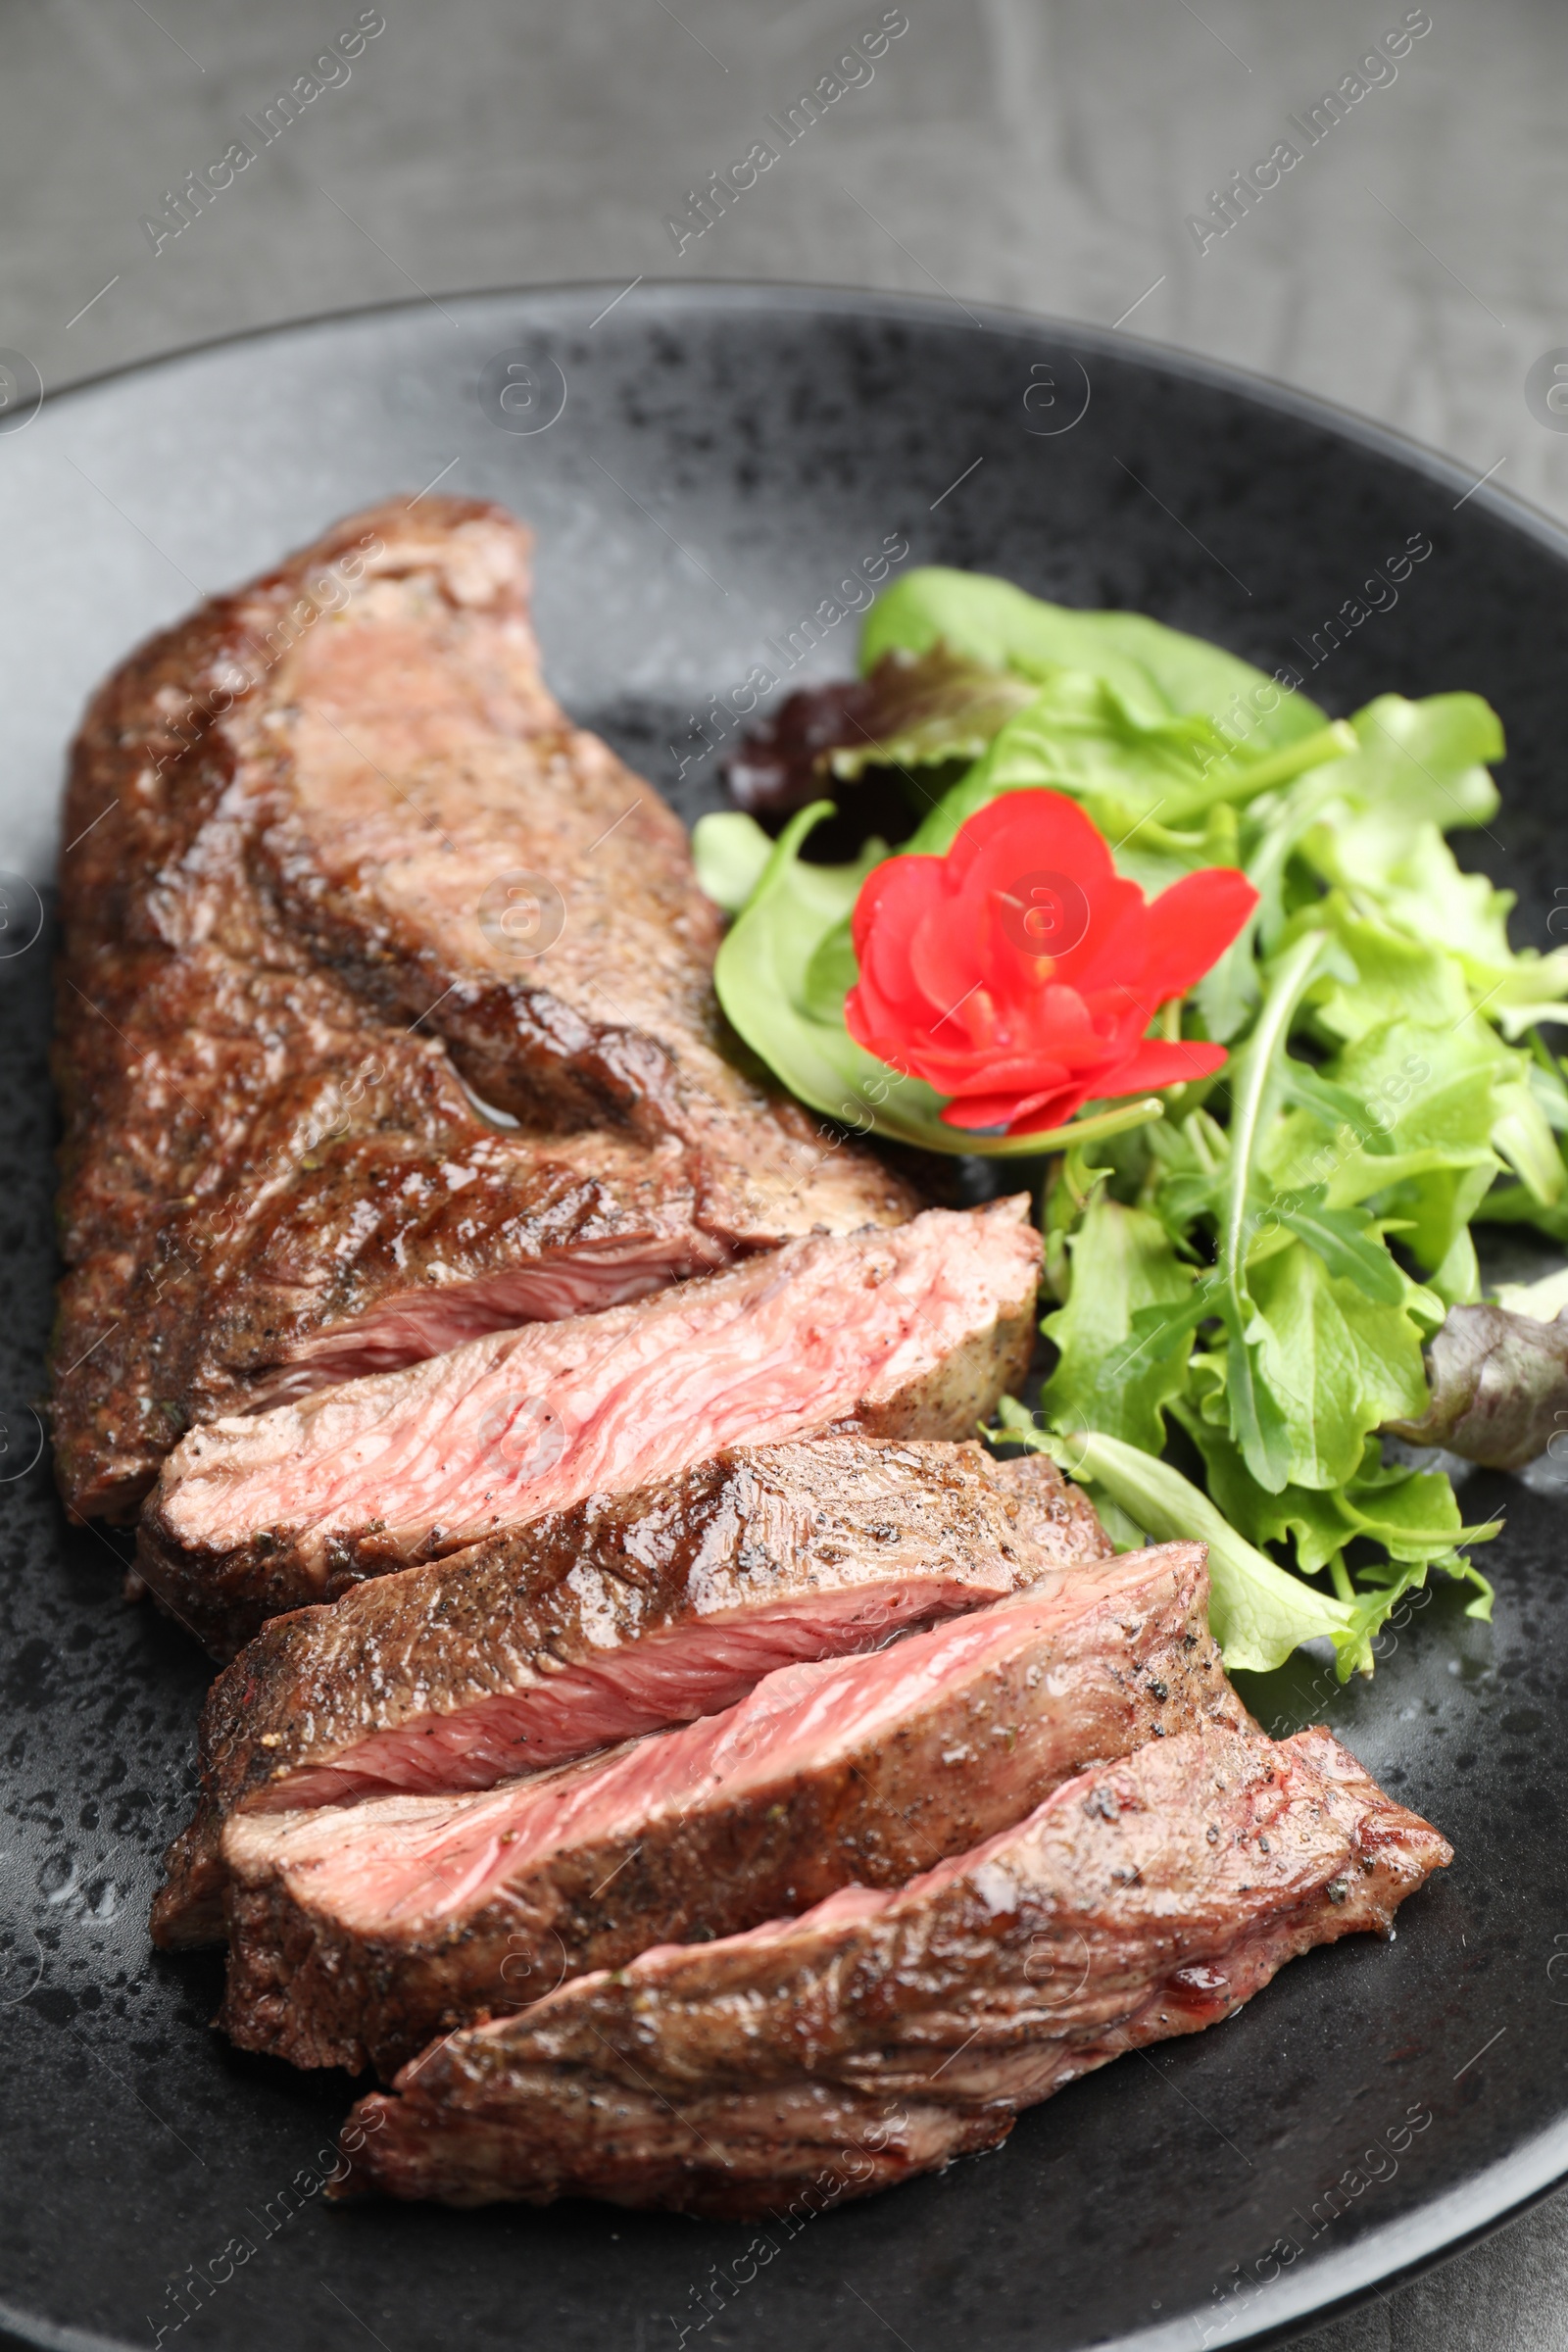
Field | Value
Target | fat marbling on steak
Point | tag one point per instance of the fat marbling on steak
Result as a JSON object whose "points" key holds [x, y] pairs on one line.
{"points": [[915, 1330], [299, 828], [358, 1934], [880, 2035], [626, 1613]]}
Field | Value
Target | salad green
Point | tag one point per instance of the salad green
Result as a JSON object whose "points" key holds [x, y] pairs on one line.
{"points": [[1246, 1271]]}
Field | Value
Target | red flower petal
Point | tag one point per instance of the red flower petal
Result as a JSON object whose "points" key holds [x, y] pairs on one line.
{"points": [[1018, 1114], [1019, 974], [1158, 1061], [1192, 924]]}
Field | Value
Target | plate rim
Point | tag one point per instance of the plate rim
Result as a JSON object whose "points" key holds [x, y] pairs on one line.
{"points": [[1398, 2252], [857, 302]]}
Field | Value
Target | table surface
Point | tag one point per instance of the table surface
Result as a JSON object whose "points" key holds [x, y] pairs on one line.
{"points": [[1011, 151]]}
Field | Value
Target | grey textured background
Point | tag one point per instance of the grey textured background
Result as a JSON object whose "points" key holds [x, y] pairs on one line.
{"points": [[1042, 153]]}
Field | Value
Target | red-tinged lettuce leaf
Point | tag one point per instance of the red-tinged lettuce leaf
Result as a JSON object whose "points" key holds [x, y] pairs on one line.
{"points": [[1499, 1387], [909, 712]]}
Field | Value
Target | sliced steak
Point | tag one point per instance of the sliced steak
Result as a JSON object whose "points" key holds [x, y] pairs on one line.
{"points": [[355, 1255], [882, 2033], [915, 1331], [622, 1615], [438, 833], [358, 1934], [267, 1156]]}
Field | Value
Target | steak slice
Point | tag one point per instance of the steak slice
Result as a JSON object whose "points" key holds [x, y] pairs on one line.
{"points": [[883, 2034], [436, 831], [266, 1153], [916, 1332], [361, 1254], [358, 1934], [318, 1199], [623, 1614]]}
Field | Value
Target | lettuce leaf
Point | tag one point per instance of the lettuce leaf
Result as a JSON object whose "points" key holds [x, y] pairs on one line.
{"points": [[730, 852], [925, 711], [1122, 1261], [1224, 1271], [1258, 1611], [1337, 1365], [1157, 672], [914, 710]]}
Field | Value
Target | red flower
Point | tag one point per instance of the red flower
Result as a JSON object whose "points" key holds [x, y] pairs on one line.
{"points": [[1019, 972]]}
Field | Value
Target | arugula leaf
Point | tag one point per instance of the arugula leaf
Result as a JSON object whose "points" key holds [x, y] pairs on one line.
{"points": [[1342, 1242], [1122, 1262], [1257, 1422]]}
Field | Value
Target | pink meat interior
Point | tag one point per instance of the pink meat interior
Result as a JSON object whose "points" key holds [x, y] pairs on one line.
{"points": [[421, 1859], [506, 1428], [684, 1672], [432, 1321]]}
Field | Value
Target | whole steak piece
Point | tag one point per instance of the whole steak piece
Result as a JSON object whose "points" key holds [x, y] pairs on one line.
{"points": [[914, 1331], [880, 2035], [358, 1933], [622, 1615], [361, 940]]}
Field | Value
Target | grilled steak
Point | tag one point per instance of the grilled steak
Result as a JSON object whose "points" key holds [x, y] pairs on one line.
{"points": [[366, 1252], [623, 1614], [273, 1175], [910, 1332], [882, 2033], [438, 833], [358, 1934]]}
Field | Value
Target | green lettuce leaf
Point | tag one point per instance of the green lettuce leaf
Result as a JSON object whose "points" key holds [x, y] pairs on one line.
{"points": [[1259, 1612], [1228, 1267], [1415, 1143], [1412, 1514], [730, 853], [1159, 672], [1122, 1262], [1421, 770], [1081, 735], [1337, 1365]]}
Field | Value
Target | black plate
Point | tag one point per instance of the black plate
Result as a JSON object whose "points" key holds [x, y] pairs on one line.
{"points": [[722, 458]]}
